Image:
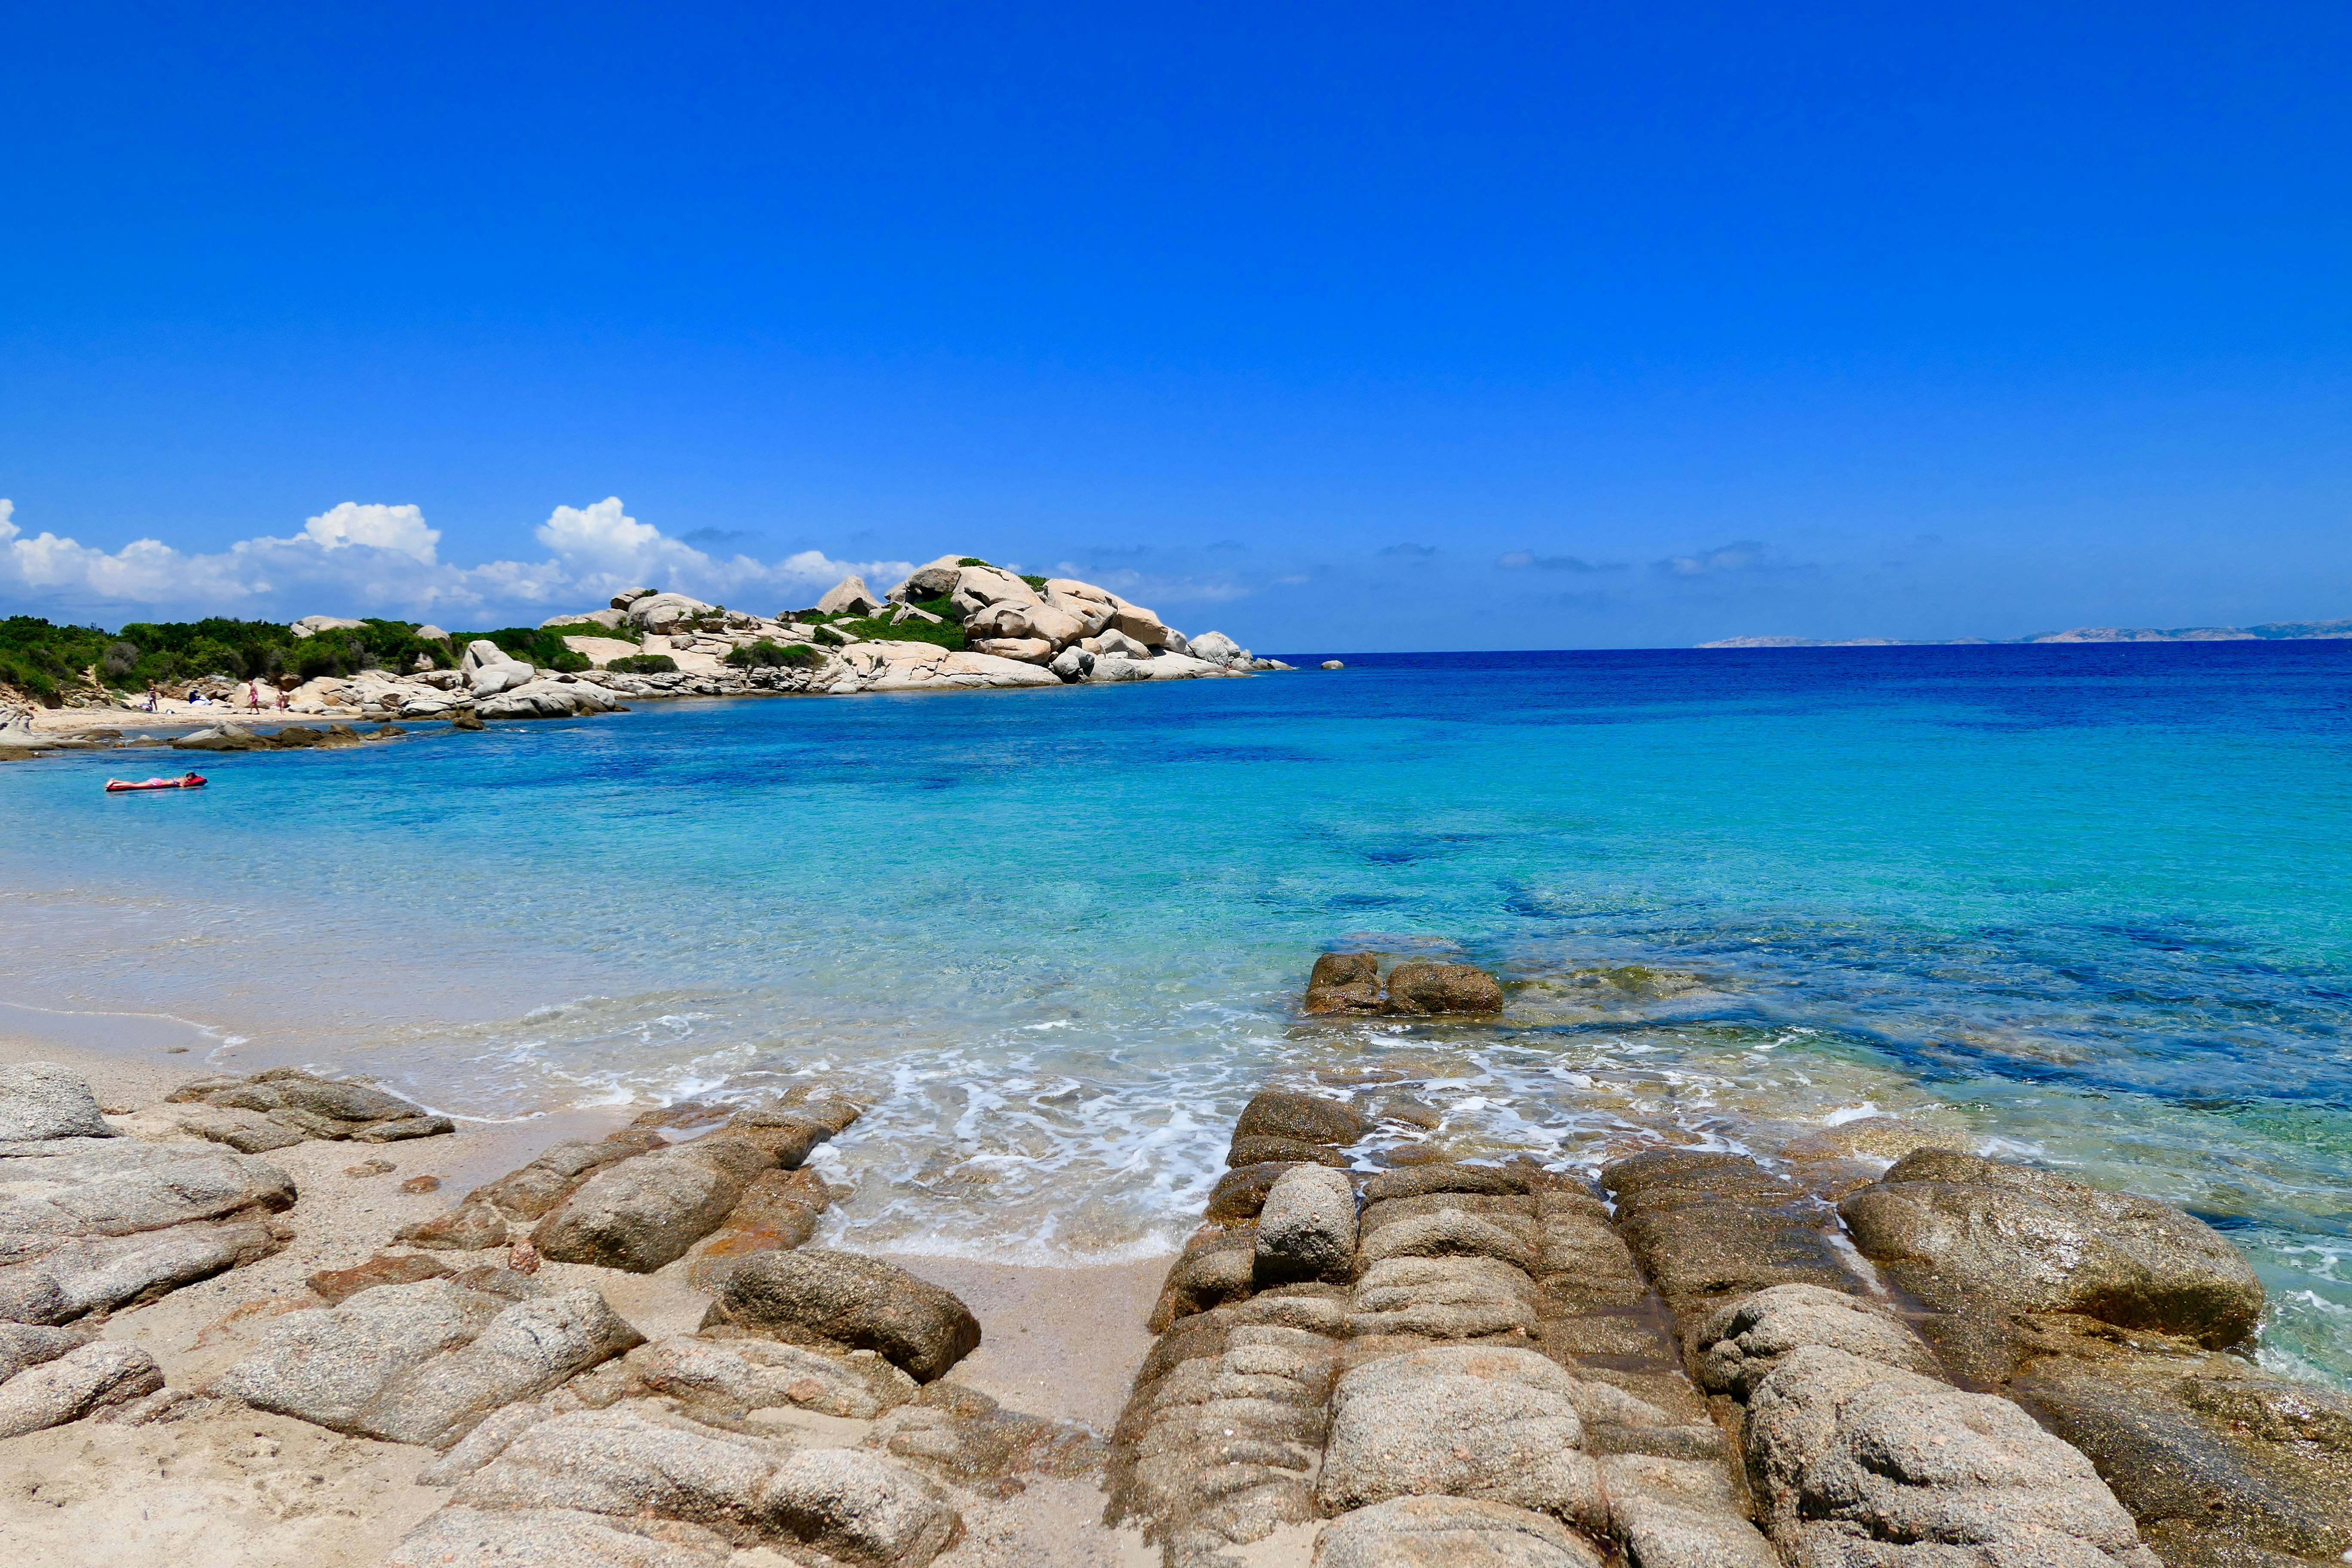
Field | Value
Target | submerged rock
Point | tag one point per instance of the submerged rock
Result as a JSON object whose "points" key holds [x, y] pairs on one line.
{"points": [[1425, 989]]}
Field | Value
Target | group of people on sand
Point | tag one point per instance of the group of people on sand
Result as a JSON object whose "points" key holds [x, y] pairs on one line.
{"points": [[254, 701]]}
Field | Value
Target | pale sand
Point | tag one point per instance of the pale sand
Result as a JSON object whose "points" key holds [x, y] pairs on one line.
{"points": [[237, 1488]]}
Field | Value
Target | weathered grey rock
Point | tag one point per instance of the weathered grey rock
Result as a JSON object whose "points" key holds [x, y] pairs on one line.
{"points": [[666, 612], [44, 1099], [30, 1344], [1898, 1457], [1955, 1226], [816, 1293], [470, 1226], [1423, 989], [61, 1188], [1418, 1180], [1345, 982], [1283, 1151], [482, 654], [1442, 1298], [423, 1362], [1743, 1341], [102, 1273], [849, 596], [1214, 1268], [528, 1349], [1710, 1226], [858, 1508], [1464, 1420], [743, 1373], [630, 1462], [1306, 1229], [1072, 663], [1453, 1232], [247, 1131], [1240, 1194], [1450, 1532], [929, 582], [102, 1373], [646, 1211], [456, 1537], [1307, 1118]]}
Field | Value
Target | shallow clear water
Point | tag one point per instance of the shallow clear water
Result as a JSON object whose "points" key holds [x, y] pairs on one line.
{"points": [[2092, 905]]}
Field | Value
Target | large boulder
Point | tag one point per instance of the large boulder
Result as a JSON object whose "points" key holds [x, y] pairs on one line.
{"points": [[68, 1387], [1345, 982], [1144, 626], [105, 1273], [1442, 1298], [1306, 1229], [304, 1103], [482, 654], [311, 626], [641, 1466], [841, 1298], [425, 1362], [54, 1192], [849, 596], [1434, 988], [1741, 1344], [1462, 1421], [1218, 649], [647, 1212], [1843, 1449], [743, 1373], [929, 581], [662, 613], [1958, 1228], [1309, 1118], [44, 1099]]}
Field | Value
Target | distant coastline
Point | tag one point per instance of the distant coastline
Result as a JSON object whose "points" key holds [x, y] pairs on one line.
{"points": [[2268, 631]]}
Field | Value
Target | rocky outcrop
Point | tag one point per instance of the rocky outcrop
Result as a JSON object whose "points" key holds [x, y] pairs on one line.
{"points": [[841, 1298], [1351, 983], [1488, 1373], [425, 1362], [2113, 1318], [726, 1196], [91, 1223], [42, 1100], [634, 1484], [276, 1109]]}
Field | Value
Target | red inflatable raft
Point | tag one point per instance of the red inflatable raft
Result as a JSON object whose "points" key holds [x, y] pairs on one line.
{"points": [[185, 781]]}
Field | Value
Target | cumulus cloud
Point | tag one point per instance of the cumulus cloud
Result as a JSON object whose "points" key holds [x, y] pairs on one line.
{"points": [[1528, 560], [386, 559]]}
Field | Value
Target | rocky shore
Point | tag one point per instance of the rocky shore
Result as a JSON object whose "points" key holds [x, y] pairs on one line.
{"points": [[625, 1346], [1012, 632]]}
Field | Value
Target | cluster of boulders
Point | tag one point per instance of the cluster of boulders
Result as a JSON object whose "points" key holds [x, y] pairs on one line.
{"points": [[235, 737], [1352, 982], [279, 1107], [1687, 1363], [1449, 1362], [93, 1222]]}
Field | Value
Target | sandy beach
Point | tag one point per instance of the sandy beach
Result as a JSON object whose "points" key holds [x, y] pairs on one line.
{"points": [[236, 1488]]}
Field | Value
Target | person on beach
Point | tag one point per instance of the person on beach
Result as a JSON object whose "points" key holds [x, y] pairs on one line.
{"points": [[252, 696], [283, 705], [154, 697]]}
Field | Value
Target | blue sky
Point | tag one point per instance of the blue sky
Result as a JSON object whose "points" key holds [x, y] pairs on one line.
{"points": [[1363, 327]]}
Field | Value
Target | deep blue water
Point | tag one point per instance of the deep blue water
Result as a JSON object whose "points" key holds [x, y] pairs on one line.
{"points": [[2087, 904]]}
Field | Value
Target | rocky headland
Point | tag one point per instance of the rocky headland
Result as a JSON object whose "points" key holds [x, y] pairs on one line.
{"points": [[956, 623], [625, 1346]]}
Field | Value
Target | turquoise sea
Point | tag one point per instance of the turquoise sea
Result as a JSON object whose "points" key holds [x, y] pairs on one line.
{"points": [[2087, 905]]}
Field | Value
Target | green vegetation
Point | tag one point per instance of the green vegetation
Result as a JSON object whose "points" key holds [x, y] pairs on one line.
{"points": [[946, 634], [976, 560], [827, 635], [543, 647], [644, 664], [621, 632], [1036, 582], [768, 654], [42, 659]]}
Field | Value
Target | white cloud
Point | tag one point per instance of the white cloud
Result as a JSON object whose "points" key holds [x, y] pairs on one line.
{"points": [[396, 527], [385, 560]]}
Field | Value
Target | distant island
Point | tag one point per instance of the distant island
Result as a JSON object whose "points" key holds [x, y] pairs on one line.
{"points": [[2268, 631]]}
